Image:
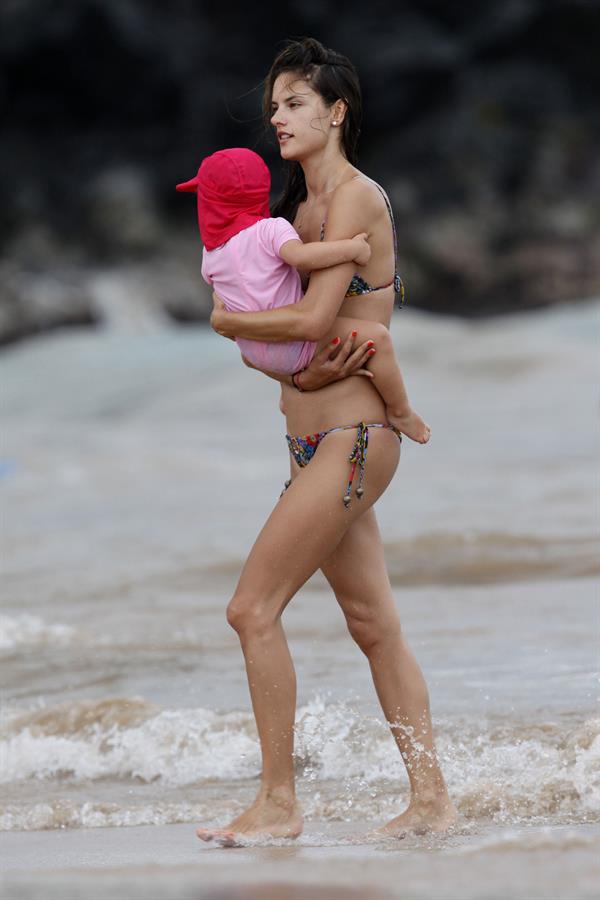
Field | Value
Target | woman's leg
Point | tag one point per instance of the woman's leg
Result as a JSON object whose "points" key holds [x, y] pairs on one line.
{"points": [[357, 573], [387, 377], [306, 525]]}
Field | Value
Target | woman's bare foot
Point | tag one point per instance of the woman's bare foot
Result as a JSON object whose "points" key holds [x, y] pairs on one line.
{"points": [[421, 817], [271, 815], [412, 425]]}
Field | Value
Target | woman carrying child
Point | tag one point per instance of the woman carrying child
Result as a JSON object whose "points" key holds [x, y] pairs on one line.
{"points": [[312, 100]]}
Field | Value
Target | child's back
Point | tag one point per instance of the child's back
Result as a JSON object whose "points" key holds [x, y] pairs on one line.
{"points": [[249, 274]]}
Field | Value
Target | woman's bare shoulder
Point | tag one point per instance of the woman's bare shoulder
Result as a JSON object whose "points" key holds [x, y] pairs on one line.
{"points": [[357, 202], [359, 186], [360, 190]]}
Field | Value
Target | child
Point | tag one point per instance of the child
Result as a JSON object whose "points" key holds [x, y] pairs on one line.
{"points": [[250, 259]]}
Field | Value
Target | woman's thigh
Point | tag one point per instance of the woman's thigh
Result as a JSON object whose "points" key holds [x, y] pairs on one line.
{"points": [[310, 519]]}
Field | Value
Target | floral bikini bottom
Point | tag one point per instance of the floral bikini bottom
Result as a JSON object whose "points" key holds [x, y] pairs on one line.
{"points": [[303, 449]]}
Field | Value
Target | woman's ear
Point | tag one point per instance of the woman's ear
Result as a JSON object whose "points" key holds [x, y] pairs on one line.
{"points": [[338, 111]]}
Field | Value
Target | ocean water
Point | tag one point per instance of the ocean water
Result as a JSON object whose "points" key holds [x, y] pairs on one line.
{"points": [[136, 470]]}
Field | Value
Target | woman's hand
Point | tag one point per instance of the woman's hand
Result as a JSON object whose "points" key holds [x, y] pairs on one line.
{"points": [[335, 361], [216, 316]]}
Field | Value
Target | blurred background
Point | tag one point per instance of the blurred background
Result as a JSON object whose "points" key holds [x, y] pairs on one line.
{"points": [[481, 120], [140, 458]]}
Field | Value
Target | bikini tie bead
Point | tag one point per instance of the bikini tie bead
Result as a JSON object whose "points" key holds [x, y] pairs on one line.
{"points": [[358, 458], [399, 288], [303, 447]]}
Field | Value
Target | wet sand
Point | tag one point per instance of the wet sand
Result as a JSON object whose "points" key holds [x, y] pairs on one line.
{"points": [[326, 863]]}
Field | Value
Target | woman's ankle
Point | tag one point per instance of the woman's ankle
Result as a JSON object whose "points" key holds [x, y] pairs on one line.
{"points": [[430, 795], [283, 795]]}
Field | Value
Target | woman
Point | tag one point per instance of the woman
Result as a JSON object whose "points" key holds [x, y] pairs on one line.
{"points": [[312, 100]]}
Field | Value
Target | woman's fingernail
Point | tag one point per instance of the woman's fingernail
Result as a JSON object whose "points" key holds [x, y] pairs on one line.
{"points": [[371, 352], [336, 340], [370, 344], [354, 333]]}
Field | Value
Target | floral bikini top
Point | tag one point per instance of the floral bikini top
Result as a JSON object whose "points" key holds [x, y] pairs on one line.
{"points": [[358, 285]]}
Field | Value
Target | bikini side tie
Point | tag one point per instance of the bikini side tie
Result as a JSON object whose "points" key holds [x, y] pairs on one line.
{"points": [[358, 457], [304, 447]]}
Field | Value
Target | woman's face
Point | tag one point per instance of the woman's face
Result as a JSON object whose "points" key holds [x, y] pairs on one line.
{"points": [[301, 119]]}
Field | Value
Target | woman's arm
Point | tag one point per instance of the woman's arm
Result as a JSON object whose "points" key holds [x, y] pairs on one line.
{"points": [[277, 376], [352, 208], [333, 362]]}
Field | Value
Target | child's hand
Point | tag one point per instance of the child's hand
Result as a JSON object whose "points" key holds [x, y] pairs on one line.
{"points": [[363, 251]]}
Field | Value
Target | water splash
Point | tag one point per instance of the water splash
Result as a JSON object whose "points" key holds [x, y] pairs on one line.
{"points": [[347, 763]]}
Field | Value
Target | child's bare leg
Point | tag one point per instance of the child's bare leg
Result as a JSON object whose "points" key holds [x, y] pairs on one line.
{"points": [[387, 377]]}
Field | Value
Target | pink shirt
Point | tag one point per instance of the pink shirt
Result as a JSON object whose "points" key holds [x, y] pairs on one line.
{"points": [[250, 276]]}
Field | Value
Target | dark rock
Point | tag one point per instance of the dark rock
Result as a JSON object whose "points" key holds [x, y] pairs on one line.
{"points": [[33, 303]]}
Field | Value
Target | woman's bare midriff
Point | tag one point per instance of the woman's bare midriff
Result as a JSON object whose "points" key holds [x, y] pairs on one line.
{"points": [[344, 402]]}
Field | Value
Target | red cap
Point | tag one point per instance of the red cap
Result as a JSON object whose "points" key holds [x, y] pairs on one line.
{"points": [[190, 185], [233, 193]]}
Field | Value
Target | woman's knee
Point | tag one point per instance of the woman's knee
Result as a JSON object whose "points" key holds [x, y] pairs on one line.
{"points": [[380, 335], [370, 629], [247, 615]]}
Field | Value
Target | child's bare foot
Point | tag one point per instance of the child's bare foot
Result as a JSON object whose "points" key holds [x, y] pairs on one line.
{"points": [[269, 816], [412, 425]]}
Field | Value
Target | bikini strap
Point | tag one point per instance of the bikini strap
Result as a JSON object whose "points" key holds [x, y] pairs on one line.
{"points": [[398, 284]]}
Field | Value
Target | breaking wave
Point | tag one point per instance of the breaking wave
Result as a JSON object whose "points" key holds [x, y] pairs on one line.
{"points": [[347, 764]]}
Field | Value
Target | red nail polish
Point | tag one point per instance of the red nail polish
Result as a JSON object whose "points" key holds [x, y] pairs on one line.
{"points": [[336, 340], [370, 344], [354, 333], [372, 351]]}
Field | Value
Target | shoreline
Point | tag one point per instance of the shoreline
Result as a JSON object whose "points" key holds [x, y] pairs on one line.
{"points": [[493, 862]]}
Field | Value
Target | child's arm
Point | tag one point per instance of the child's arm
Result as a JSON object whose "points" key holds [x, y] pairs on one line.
{"points": [[323, 254]]}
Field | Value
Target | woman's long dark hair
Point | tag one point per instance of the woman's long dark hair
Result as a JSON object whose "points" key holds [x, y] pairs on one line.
{"points": [[331, 75]]}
